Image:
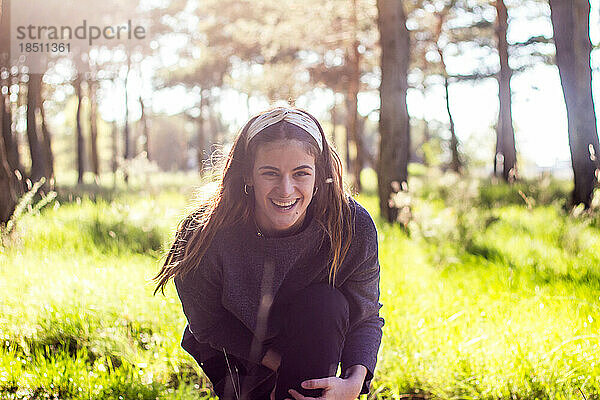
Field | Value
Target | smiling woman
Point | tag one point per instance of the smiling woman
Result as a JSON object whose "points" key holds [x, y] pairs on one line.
{"points": [[283, 179], [278, 274]]}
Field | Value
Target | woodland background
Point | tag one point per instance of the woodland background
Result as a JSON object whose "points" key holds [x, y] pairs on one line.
{"points": [[490, 279]]}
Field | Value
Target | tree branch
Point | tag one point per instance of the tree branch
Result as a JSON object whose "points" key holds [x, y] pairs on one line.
{"points": [[534, 40], [473, 77]]}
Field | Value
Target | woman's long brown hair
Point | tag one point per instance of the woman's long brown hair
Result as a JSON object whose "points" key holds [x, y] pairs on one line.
{"points": [[229, 205]]}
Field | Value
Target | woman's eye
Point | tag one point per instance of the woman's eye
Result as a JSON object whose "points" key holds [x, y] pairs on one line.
{"points": [[274, 174]]}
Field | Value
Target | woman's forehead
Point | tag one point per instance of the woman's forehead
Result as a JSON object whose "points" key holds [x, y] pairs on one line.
{"points": [[283, 152]]}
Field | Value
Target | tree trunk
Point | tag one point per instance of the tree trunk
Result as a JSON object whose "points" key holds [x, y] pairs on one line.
{"points": [[46, 143], [8, 182], [347, 141], [216, 131], [38, 160], [394, 125], [11, 146], [115, 152], [8, 188], [79, 133], [570, 22], [95, 163], [210, 130], [333, 113], [367, 157], [455, 163], [353, 89], [201, 140], [126, 140], [144, 121], [426, 139], [505, 143]]}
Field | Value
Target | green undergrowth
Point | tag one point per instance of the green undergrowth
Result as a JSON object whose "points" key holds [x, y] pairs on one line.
{"points": [[78, 318], [484, 297]]}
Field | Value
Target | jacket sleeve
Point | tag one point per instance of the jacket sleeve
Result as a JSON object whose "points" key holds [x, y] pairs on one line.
{"points": [[362, 292], [208, 321]]}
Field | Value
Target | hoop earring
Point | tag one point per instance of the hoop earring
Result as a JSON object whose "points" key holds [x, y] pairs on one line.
{"points": [[245, 188]]}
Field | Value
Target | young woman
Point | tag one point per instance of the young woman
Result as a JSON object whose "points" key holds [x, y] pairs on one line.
{"points": [[278, 274]]}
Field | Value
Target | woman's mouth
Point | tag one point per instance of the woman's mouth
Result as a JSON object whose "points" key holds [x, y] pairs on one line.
{"points": [[284, 205]]}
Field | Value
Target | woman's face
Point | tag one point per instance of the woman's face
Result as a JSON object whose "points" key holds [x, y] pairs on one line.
{"points": [[284, 179]]}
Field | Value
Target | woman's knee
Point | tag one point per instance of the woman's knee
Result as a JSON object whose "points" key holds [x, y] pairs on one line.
{"points": [[320, 303]]}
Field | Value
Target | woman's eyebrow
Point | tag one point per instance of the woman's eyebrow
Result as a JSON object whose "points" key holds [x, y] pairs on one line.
{"points": [[303, 167], [277, 169]]}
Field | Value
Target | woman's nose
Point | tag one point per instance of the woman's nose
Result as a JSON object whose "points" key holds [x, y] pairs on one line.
{"points": [[286, 186]]}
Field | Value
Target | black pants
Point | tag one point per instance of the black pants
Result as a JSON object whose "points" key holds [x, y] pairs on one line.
{"points": [[315, 324]]}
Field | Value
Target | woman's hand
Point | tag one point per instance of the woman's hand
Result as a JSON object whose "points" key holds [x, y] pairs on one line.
{"points": [[333, 387]]}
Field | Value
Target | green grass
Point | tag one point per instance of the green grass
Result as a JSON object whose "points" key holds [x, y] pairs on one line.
{"points": [[470, 327], [483, 298]]}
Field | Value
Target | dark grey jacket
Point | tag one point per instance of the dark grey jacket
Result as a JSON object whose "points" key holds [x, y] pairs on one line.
{"points": [[232, 300]]}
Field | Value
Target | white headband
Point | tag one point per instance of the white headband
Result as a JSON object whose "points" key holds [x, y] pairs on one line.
{"points": [[296, 117]]}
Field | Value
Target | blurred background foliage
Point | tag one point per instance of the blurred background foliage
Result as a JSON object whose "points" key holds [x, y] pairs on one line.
{"points": [[486, 206]]}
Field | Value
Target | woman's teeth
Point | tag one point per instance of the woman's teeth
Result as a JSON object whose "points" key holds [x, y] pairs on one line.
{"points": [[284, 205]]}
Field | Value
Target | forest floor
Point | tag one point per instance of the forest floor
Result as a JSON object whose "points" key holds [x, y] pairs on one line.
{"points": [[487, 293]]}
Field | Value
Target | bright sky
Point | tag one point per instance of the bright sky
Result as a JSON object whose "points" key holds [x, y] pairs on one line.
{"points": [[539, 112]]}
